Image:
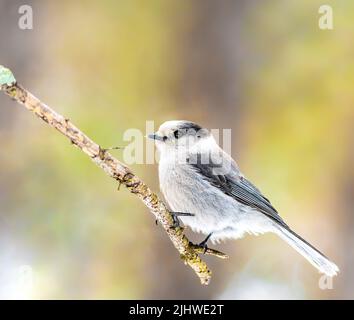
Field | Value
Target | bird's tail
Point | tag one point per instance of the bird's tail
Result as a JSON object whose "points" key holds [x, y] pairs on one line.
{"points": [[315, 257]]}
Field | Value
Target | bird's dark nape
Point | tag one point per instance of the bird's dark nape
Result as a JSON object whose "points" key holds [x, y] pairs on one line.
{"points": [[189, 125]]}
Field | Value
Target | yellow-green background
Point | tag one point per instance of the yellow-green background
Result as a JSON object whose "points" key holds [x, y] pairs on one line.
{"points": [[262, 68]]}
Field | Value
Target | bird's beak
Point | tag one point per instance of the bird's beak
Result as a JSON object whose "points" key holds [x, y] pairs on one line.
{"points": [[155, 137]]}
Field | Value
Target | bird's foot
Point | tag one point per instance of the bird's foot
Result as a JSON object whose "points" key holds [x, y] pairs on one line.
{"points": [[203, 244], [175, 215]]}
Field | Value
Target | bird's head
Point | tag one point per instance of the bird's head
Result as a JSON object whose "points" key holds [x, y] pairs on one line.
{"points": [[180, 135]]}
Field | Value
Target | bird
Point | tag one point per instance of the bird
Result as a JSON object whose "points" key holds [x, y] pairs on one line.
{"points": [[206, 190]]}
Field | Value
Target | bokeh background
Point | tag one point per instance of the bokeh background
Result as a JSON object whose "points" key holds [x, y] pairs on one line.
{"points": [[262, 68]]}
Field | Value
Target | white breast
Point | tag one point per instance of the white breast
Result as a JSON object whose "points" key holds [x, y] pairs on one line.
{"points": [[185, 191]]}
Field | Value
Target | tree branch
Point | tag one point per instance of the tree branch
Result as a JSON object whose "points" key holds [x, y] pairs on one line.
{"points": [[189, 252]]}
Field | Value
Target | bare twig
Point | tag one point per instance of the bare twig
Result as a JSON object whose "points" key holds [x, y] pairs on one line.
{"points": [[189, 252]]}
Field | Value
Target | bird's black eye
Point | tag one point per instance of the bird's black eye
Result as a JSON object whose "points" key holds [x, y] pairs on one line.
{"points": [[176, 134]]}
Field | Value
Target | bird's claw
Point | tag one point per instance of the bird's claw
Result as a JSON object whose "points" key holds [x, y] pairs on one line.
{"points": [[176, 223], [175, 215], [203, 244]]}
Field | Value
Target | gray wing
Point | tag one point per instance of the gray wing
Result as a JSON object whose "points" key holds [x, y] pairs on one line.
{"points": [[236, 186]]}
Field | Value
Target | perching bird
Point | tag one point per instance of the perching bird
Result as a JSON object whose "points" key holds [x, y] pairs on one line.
{"points": [[205, 188]]}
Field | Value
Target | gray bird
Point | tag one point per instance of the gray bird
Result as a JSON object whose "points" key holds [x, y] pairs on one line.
{"points": [[205, 188]]}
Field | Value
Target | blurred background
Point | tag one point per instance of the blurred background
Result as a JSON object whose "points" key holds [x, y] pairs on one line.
{"points": [[262, 68]]}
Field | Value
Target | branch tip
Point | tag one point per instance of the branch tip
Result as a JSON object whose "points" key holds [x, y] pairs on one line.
{"points": [[7, 79]]}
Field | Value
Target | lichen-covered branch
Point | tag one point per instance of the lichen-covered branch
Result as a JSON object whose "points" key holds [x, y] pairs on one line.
{"points": [[189, 252]]}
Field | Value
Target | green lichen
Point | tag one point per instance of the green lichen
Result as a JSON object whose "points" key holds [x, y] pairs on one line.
{"points": [[6, 77]]}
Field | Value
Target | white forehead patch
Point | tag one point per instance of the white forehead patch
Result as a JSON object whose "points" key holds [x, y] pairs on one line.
{"points": [[179, 125], [173, 124]]}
